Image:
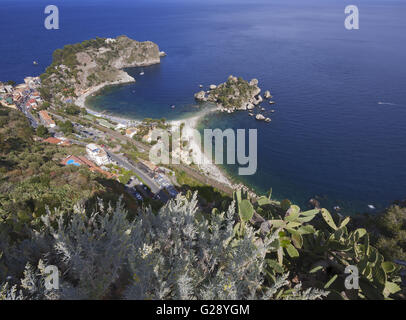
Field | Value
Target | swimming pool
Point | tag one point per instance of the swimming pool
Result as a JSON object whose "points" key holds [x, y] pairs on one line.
{"points": [[71, 161]]}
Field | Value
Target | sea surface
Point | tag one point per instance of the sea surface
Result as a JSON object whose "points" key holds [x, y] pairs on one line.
{"points": [[339, 130]]}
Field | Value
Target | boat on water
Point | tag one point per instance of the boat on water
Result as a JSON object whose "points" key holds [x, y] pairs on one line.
{"points": [[35, 63], [142, 73], [173, 107]]}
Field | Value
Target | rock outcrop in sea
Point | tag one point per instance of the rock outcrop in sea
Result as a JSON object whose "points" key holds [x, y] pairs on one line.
{"points": [[234, 94], [267, 94]]}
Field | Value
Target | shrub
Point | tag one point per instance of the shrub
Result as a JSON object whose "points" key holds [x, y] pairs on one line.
{"points": [[42, 131], [176, 254]]}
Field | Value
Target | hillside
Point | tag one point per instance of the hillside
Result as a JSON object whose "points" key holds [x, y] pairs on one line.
{"points": [[78, 67], [32, 178]]}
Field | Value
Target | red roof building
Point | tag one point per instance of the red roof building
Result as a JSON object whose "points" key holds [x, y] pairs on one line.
{"points": [[57, 141], [46, 118], [53, 140]]}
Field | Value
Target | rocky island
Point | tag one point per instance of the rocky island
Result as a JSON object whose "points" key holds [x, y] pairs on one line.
{"points": [[235, 94], [85, 67]]}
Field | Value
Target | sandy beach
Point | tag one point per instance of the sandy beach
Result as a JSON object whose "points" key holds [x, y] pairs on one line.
{"points": [[199, 157], [81, 102]]}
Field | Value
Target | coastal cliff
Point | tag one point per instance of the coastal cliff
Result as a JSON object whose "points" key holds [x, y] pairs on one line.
{"points": [[77, 69]]}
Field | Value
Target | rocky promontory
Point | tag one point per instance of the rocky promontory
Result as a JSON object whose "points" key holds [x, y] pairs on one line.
{"points": [[234, 94], [78, 68]]}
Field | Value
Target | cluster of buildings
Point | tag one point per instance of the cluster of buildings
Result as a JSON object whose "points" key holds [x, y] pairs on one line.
{"points": [[26, 97], [34, 101], [6, 96], [11, 96]]}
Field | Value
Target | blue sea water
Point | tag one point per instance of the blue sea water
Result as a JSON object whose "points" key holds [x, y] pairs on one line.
{"points": [[329, 136]]}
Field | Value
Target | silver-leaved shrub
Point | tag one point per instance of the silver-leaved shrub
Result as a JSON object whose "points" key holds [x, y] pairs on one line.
{"points": [[178, 253]]}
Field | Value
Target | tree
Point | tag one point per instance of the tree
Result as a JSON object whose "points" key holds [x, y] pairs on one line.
{"points": [[72, 110], [392, 232], [66, 127], [42, 131], [45, 93], [45, 105]]}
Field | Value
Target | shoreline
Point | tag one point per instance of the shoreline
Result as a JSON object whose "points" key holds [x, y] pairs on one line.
{"points": [[205, 164], [209, 169], [81, 101]]}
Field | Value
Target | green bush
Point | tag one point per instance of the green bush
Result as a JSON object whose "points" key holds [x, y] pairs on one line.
{"points": [[42, 132]]}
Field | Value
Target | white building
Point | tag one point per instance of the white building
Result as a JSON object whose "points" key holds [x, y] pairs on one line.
{"points": [[32, 82], [110, 40], [8, 89], [130, 132], [97, 154]]}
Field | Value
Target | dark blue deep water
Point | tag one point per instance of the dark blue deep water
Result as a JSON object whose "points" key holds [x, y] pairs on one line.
{"points": [[329, 136]]}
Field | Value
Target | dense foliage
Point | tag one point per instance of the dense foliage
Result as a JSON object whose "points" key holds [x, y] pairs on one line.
{"points": [[176, 254], [391, 227], [233, 93]]}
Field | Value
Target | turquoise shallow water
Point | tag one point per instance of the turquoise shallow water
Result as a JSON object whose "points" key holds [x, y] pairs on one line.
{"points": [[329, 137]]}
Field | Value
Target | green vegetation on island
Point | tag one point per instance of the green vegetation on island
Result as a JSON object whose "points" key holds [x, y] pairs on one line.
{"points": [[234, 94], [78, 67]]}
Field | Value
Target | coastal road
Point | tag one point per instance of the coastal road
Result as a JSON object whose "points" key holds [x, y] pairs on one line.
{"points": [[23, 108], [155, 188]]}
